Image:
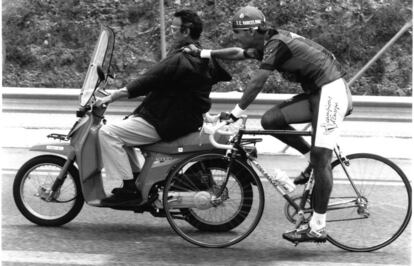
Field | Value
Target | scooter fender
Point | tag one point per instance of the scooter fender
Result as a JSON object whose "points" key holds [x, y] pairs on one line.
{"points": [[65, 149]]}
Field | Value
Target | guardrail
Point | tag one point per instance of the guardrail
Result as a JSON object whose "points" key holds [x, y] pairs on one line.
{"points": [[46, 100]]}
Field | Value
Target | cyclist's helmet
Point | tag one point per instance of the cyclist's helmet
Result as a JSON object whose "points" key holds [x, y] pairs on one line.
{"points": [[248, 17]]}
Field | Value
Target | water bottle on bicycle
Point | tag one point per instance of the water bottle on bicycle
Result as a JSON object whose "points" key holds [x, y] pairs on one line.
{"points": [[282, 179]]}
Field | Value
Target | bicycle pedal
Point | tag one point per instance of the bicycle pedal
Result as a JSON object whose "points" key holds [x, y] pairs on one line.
{"points": [[296, 243]]}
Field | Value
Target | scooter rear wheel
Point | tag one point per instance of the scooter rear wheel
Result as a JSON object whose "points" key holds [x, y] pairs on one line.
{"points": [[30, 190], [198, 214]]}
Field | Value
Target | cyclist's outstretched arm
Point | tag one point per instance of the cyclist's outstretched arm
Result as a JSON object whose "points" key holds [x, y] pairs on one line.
{"points": [[231, 53]]}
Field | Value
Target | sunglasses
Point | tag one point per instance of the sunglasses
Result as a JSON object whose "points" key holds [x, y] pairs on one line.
{"points": [[175, 28]]}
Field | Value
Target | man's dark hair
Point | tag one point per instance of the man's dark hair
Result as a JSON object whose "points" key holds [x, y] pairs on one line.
{"points": [[190, 20]]}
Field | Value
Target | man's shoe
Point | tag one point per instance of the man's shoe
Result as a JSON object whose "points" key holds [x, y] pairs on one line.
{"points": [[128, 186], [124, 190], [122, 198], [305, 234], [304, 176]]}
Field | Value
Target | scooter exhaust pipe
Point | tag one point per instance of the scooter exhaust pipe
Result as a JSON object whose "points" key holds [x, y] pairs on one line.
{"points": [[195, 199]]}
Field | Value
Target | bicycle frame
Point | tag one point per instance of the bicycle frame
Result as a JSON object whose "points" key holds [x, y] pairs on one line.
{"points": [[237, 149]]}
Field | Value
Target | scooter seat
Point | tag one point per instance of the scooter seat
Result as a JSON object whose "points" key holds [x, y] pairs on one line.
{"points": [[196, 141]]}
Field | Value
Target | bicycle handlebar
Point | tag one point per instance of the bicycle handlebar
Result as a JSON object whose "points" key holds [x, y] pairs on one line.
{"points": [[216, 129], [219, 128]]}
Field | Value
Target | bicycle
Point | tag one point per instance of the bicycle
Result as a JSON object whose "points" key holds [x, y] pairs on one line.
{"points": [[369, 190]]}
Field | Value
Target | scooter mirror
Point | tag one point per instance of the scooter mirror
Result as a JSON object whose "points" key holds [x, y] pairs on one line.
{"points": [[101, 73], [110, 73]]}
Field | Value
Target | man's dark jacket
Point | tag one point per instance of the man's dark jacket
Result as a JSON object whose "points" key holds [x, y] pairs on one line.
{"points": [[177, 93]]}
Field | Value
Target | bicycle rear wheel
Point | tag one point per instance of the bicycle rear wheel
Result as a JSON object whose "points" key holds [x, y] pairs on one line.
{"points": [[379, 214], [196, 213]]}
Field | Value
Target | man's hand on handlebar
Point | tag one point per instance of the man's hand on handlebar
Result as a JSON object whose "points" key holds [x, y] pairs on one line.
{"points": [[103, 101]]}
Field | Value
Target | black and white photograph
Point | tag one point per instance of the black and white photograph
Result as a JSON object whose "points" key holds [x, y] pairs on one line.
{"points": [[206, 132]]}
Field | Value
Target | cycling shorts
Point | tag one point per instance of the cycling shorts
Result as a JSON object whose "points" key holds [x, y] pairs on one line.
{"points": [[334, 103]]}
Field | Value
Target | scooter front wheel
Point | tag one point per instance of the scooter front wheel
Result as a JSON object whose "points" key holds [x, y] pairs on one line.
{"points": [[203, 216], [32, 195]]}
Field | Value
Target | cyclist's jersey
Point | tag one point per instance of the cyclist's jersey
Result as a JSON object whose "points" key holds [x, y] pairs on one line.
{"points": [[299, 59]]}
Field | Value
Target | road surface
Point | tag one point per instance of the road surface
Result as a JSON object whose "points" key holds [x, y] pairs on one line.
{"points": [[101, 236]]}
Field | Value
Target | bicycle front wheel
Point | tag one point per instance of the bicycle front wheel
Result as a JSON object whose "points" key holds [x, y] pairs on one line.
{"points": [[205, 210], [371, 208]]}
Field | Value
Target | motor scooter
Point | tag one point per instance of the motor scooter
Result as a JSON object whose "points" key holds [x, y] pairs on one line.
{"points": [[208, 202]]}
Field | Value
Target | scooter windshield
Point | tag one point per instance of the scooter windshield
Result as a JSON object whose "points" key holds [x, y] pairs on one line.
{"points": [[101, 56]]}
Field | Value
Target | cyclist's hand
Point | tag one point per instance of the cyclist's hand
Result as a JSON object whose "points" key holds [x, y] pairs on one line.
{"points": [[233, 116], [228, 117], [192, 50]]}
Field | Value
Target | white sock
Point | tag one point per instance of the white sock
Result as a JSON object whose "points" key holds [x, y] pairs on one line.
{"points": [[318, 221]]}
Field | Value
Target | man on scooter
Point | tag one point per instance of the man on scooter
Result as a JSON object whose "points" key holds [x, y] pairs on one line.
{"points": [[177, 93]]}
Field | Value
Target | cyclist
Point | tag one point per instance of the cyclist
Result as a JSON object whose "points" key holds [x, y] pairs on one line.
{"points": [[325, 100]]}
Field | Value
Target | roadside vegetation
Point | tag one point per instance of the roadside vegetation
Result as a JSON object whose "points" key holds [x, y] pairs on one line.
{"points": [[49, 42]]}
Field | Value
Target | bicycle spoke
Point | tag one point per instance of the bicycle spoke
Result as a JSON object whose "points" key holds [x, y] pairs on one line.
{"points": [[222, 221], [382, 211]]}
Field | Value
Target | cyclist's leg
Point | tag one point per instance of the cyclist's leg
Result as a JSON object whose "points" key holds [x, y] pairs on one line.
{"points": [[329, 107], [294, 110], [320, 160]]}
